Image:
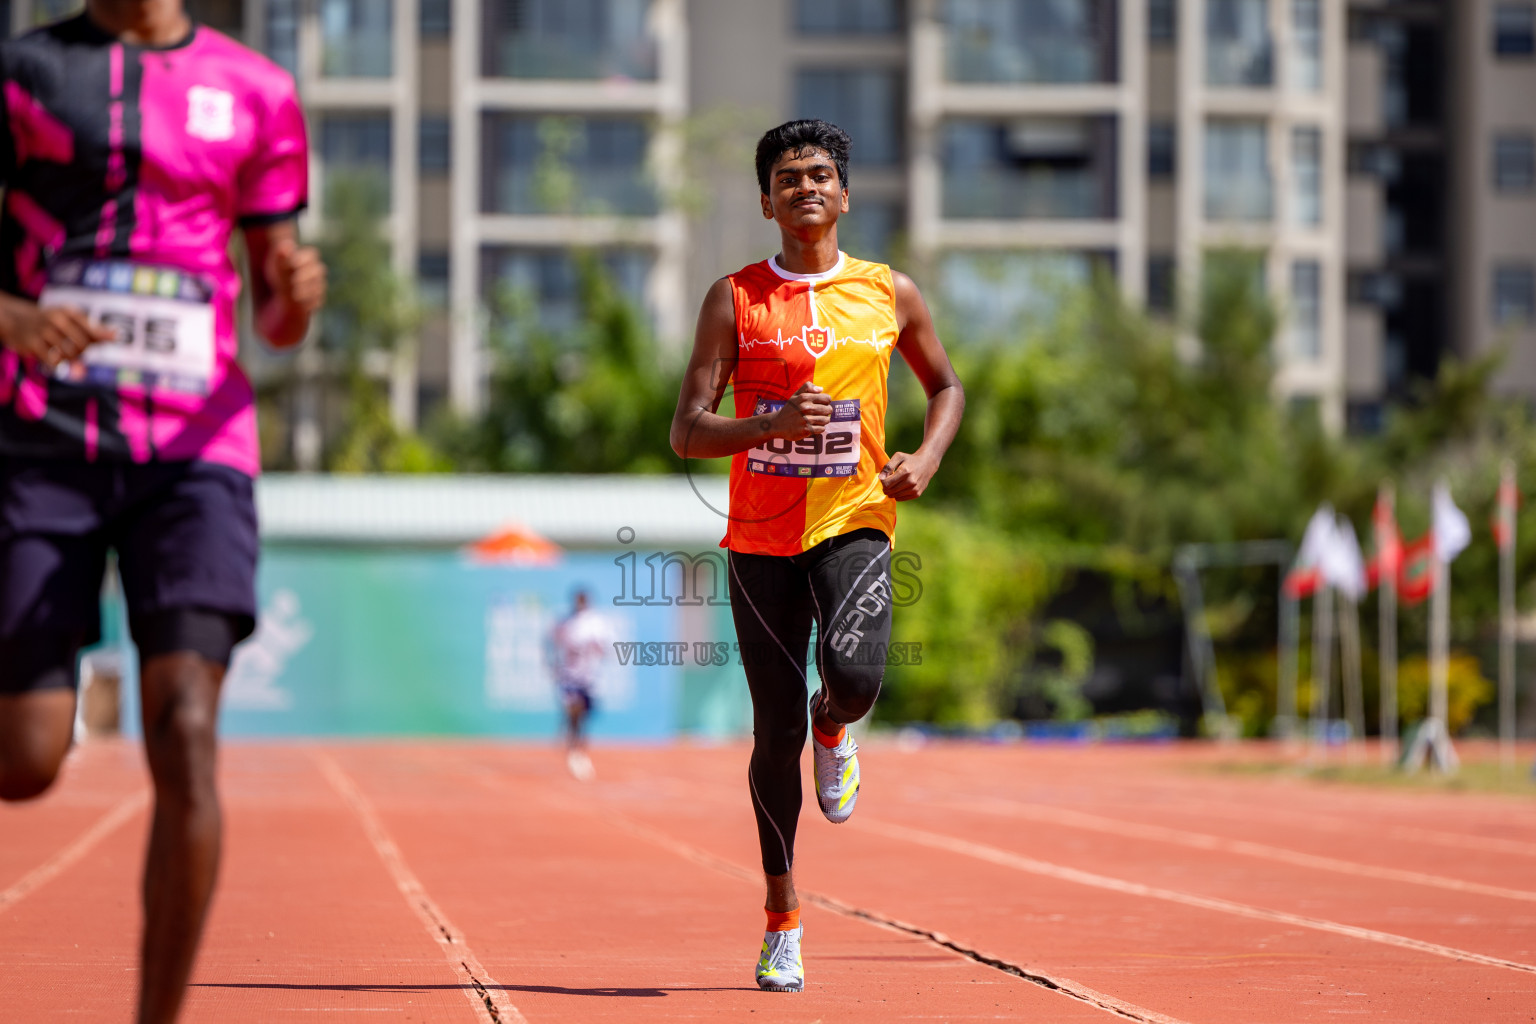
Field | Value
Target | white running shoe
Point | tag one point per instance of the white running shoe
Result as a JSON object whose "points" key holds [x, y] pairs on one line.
{"points": [[580, 766], [778, 967], [837, 778]]}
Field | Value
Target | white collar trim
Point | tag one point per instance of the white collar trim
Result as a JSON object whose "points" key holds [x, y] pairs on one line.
{"points": [[773, 265]]}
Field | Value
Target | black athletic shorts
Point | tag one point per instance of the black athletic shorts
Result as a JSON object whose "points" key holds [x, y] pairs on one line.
{"points": [[186, 543]]}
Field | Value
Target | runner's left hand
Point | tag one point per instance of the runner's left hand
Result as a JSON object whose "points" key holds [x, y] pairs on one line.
{"points": [[906, 476], [297, 275]]}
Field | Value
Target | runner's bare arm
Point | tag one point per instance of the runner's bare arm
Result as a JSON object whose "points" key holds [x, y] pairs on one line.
{"points": [[698, 431], [51, 336], [287, 282], [906, 476]]}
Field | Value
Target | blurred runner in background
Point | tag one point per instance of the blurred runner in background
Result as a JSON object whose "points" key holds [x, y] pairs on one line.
{"points": [[805, 339], [583, 642], [132, 143]]}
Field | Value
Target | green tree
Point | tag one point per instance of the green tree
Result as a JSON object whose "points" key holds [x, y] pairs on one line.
{"points": [[595, 396], [370, 314]]}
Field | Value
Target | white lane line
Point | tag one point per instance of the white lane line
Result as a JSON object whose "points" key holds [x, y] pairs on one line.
{"points": [[1056, 983], [483, 992], [1331, 823], [1003, 858], [82, 845], [1220, 844]]}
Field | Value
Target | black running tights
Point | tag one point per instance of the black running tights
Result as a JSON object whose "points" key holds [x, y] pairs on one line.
{"points": [[844, 585]]}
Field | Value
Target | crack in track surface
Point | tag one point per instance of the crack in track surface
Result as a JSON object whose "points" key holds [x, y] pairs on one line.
{"points": [[1003, 858], [482, 991], [1071, 989]]}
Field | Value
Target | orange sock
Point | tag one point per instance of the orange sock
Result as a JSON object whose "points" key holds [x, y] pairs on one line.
{"points": [[785, 922], [829, 741]]}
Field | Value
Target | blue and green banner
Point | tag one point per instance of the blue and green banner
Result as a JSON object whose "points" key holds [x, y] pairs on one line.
{"points": [[362, 641]]}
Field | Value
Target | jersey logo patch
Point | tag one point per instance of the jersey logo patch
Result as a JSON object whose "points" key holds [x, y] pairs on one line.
{"points": [[817, 340], [210, 114]]}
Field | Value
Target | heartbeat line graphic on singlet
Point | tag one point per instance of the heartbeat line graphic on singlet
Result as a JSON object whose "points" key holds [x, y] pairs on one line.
{"points": [[818, 341]]}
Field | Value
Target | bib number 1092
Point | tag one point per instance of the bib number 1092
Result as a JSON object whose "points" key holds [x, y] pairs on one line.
{"points": [[835, 452]]}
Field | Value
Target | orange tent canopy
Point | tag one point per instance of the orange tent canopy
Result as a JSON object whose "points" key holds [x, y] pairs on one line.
{"points": [[515, 544]]}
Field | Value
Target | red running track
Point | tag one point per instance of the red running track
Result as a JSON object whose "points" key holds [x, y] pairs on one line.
{"points": [[476, 882]]}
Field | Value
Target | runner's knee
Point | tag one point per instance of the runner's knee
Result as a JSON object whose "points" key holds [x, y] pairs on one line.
{"points": [[37, 713], [851, 689], [180, 723], [24, 780]]}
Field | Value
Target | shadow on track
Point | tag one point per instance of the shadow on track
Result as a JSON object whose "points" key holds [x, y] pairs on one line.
{"points": [[549, 990]]}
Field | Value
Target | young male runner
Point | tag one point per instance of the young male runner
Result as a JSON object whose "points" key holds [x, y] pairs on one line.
{"points": [[582, 642], [132, 142], [805, 339]]}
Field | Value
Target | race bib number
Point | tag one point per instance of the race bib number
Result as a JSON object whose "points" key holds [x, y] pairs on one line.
{"points": [[164, 320], [832, 453]]}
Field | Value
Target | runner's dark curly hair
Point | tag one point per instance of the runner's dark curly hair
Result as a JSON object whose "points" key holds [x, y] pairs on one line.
{"points": [[798, 138]]}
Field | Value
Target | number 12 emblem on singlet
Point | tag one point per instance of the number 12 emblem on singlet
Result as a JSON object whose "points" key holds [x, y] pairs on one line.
{"points": [[832, 453]]}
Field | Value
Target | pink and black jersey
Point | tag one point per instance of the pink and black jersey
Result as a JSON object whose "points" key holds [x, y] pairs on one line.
{"points": [[125, 170]]}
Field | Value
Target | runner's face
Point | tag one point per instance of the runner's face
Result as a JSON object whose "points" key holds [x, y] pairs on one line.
{"points": [[804, 191]]}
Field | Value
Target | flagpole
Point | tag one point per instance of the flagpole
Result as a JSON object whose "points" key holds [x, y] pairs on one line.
{"points": [[1290, 642], [1442, 753], [1322, 667], [1506, 515], [1386, 605], [1349, 663]]}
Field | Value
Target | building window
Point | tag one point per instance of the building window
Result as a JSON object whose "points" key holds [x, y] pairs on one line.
{"points": [[357, 146], [1514, 30], [1238, 182], [356, 38], [1514, 162], [282, 34], [849, 17], [869, 229], [433, 145], [1376, 288], [567, 165], [1046, 168], [1307, 175], [1162, 149], [542, 287], [1162, 293], [1059, 42], [1163, 21], [1307, 45], [568, 39], [1514, 294], [1238, 47], [1307, 310], [865, 103], [432, 278], [436, 18], [1004, 296]]}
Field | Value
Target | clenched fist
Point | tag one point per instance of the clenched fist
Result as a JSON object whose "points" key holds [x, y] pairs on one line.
{"points": [[296, 275]]}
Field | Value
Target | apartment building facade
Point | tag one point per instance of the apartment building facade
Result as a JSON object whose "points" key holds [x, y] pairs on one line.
{"points": [[1375, 156]]}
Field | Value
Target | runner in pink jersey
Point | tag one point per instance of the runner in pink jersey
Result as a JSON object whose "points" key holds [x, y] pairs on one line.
{"points": [[123, 158], [132, 143]]}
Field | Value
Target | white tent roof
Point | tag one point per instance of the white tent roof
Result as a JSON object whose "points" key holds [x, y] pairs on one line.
{"points": [[573, 511]]}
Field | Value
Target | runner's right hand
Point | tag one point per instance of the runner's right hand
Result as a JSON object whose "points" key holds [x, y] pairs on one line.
{"points": [[807, 412], [51, 336]]}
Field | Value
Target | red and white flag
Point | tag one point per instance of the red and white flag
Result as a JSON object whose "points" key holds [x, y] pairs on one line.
{"points": [[1388, 560], [1306, 573], [1416, 571], [1448, 525], [1504, 512]]}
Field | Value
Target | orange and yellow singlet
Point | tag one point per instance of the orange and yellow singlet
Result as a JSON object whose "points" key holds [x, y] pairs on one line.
{"points": [[835, 330]]}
